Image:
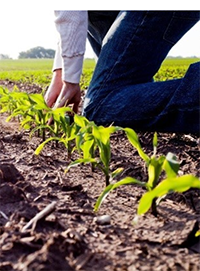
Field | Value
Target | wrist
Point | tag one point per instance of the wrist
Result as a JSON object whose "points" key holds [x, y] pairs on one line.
{"points": [[66, 83], [57, 73]]}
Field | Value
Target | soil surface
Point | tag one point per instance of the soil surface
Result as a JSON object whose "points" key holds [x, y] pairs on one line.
{"points": [[71, 237]]}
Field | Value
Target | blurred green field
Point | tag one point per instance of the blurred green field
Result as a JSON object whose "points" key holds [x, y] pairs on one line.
{"points": [[25, 64], [38, 71], [174, 68], [33, 71]]}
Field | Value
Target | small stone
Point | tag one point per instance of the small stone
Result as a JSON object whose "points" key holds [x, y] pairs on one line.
{"points": [[103, 220]]}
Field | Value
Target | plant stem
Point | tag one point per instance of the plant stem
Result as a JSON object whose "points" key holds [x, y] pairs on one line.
{"points": [[154, 208], [69, 150], [107, 180], [92, 167], [43, 135]]}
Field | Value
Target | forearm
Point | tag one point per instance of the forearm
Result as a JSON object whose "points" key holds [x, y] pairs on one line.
{"points": [[72, 28]]}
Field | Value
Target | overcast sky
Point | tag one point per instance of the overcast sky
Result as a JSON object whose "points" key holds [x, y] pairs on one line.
{"points": [[25, 27]]}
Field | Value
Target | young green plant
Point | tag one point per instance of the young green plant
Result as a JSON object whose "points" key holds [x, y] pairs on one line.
{"points": [[155, 188], [31, 110], [62, 130], [94, 143]]}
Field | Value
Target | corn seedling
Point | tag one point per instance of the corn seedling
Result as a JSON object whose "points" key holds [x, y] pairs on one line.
{"points": [[40, 111], [5, 101], [155, 188], [90, 139], [31, 109], [10, 101], [62, 130]]}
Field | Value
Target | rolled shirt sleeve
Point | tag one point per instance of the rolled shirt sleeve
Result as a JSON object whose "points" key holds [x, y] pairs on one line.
{"points": [[58, 62], [72, 29]]}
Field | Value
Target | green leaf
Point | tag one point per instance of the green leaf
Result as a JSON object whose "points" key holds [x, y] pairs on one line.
{"points": [[133, 139], [41, 146], [61, 110], [80, 120], [171, 165], [155, 143], [154, 170], [105, 154], [40, 127], [103, 133], [26, 123], [197, 234], [109, 188], [39, 101], [155, 140], [79, 141], [102, 136], [64, 125], [116, 172], [72, 133], [21, 110], [177, 184], [86, 148], [80, 161]]}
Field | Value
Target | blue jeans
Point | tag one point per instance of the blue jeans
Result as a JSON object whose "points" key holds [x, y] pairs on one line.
{"points": [[131, 46]]}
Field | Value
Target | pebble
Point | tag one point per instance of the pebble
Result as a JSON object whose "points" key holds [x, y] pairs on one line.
{"points": [[103, 219]]}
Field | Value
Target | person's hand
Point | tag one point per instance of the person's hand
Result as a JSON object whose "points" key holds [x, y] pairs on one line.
{"points": [[69, 94], [61, 93]]}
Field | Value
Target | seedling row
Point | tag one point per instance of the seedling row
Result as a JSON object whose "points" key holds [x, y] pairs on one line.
{"points": [[92, 146]]}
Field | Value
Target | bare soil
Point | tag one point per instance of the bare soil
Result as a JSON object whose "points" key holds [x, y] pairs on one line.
{"points": [[70, 237]]}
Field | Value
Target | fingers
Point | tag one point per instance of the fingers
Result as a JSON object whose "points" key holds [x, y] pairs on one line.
{"points": [[49, 122], [75, 108], [77, 101], [50, 98], [62, 99], [70, 94], [54, 89]]}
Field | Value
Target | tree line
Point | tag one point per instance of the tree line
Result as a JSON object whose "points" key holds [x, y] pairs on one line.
{"points": [[36, 52]]}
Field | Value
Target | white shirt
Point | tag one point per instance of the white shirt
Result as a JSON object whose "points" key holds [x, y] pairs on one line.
{"points": [[72, 28]]}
